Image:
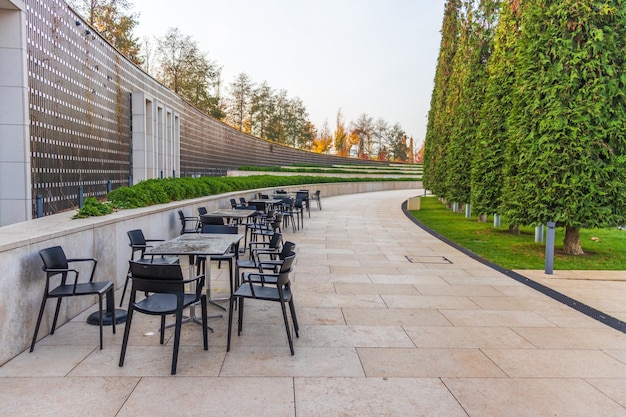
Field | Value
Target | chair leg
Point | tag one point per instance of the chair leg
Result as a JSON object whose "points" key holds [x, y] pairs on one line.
{"points": [[282, 306], [162, 339], [43, 306], [293, 317], [129, 319], [111, 306], [100, 317], [125, 286], [205, 333], [179, 323], [240, 323], [230, 321], [56, 315]]}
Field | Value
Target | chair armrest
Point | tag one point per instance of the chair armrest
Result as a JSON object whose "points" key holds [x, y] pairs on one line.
{"points": [[199, 279], [261, 275], [81, 259], [155, 240], [93, 267]]}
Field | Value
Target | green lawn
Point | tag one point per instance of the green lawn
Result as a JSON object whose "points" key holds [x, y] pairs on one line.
{"points": [[604, 248]]}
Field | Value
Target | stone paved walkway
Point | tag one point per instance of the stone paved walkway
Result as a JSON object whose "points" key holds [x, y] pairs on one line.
{"points": [[393, 323]]}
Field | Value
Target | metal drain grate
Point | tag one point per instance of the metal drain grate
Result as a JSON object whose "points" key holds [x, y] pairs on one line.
{"points": [[428, 260]]}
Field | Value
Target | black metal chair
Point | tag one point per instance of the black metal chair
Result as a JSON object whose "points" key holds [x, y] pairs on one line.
{"points": [[231, 256], [267, 229], [288, 211], [304, 196], [166, 286], [56, 263], [265, 262], [189, 224], [316, 197], [279, 292], [138, 244], [271, 247]]}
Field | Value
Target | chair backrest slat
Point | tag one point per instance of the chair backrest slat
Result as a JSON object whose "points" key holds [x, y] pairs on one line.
{"points": [[219, 228]]}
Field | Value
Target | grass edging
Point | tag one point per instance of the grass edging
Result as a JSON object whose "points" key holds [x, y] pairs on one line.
{"points": [[555, 295]]}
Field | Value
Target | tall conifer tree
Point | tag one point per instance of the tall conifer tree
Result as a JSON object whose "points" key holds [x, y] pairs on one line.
{"points": [[569, 117], [492, 134], [435, 142]]}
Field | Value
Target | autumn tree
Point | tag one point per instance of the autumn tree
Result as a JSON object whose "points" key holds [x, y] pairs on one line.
{"points": [[324, 140], [340, 136], [363, 129], [567, 119], [112, 19]]}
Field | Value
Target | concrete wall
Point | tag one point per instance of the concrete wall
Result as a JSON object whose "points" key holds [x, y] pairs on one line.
{"points": [[103, 238]]}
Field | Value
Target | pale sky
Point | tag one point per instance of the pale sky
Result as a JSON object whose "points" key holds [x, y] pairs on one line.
{"points": [[364, 56]]}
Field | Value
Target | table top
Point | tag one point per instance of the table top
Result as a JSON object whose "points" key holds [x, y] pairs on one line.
{"points": [[266, 200], [230, 213], [196, 244]]}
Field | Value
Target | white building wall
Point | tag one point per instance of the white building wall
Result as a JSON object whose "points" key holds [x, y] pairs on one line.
{"points": [[15, 180]]}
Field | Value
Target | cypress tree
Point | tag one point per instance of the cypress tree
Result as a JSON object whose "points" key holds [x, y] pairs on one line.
{"points": [[467, 88], [568, 126], [435, 141], [492, 134]]}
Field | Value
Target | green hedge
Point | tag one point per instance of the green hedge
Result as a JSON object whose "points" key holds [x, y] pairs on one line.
{"points": [[160, 191]]}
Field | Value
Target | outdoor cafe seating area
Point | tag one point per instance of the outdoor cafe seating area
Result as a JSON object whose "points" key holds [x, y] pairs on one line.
{"points": [[167, 277]]}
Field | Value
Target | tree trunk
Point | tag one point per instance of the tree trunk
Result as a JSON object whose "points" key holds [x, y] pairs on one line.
{"points": [[571, 242], [514, 229], [482, 218]]}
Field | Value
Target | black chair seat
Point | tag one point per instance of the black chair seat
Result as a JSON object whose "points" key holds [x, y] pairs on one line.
{"points": [[162, 303], [81, 289], [262, 292]]}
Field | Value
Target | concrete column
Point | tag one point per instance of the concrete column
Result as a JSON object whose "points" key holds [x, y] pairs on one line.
{"points": [[15, 155]]}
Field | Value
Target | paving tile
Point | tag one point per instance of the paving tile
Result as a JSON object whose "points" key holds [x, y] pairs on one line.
{"points": [[181, 396], [429, 302], [276, 362], [328, 277], [354, 336], [394, 317], [353, 289], [48, 361], [374, 397], [530, 397], [612, 388], [466, 337], [413, 279], [572, 338], [517, 303], [459, 290], [426, 363], [68, 396], [339, 300], [152, 361], [497, 318], [545, 363]]}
